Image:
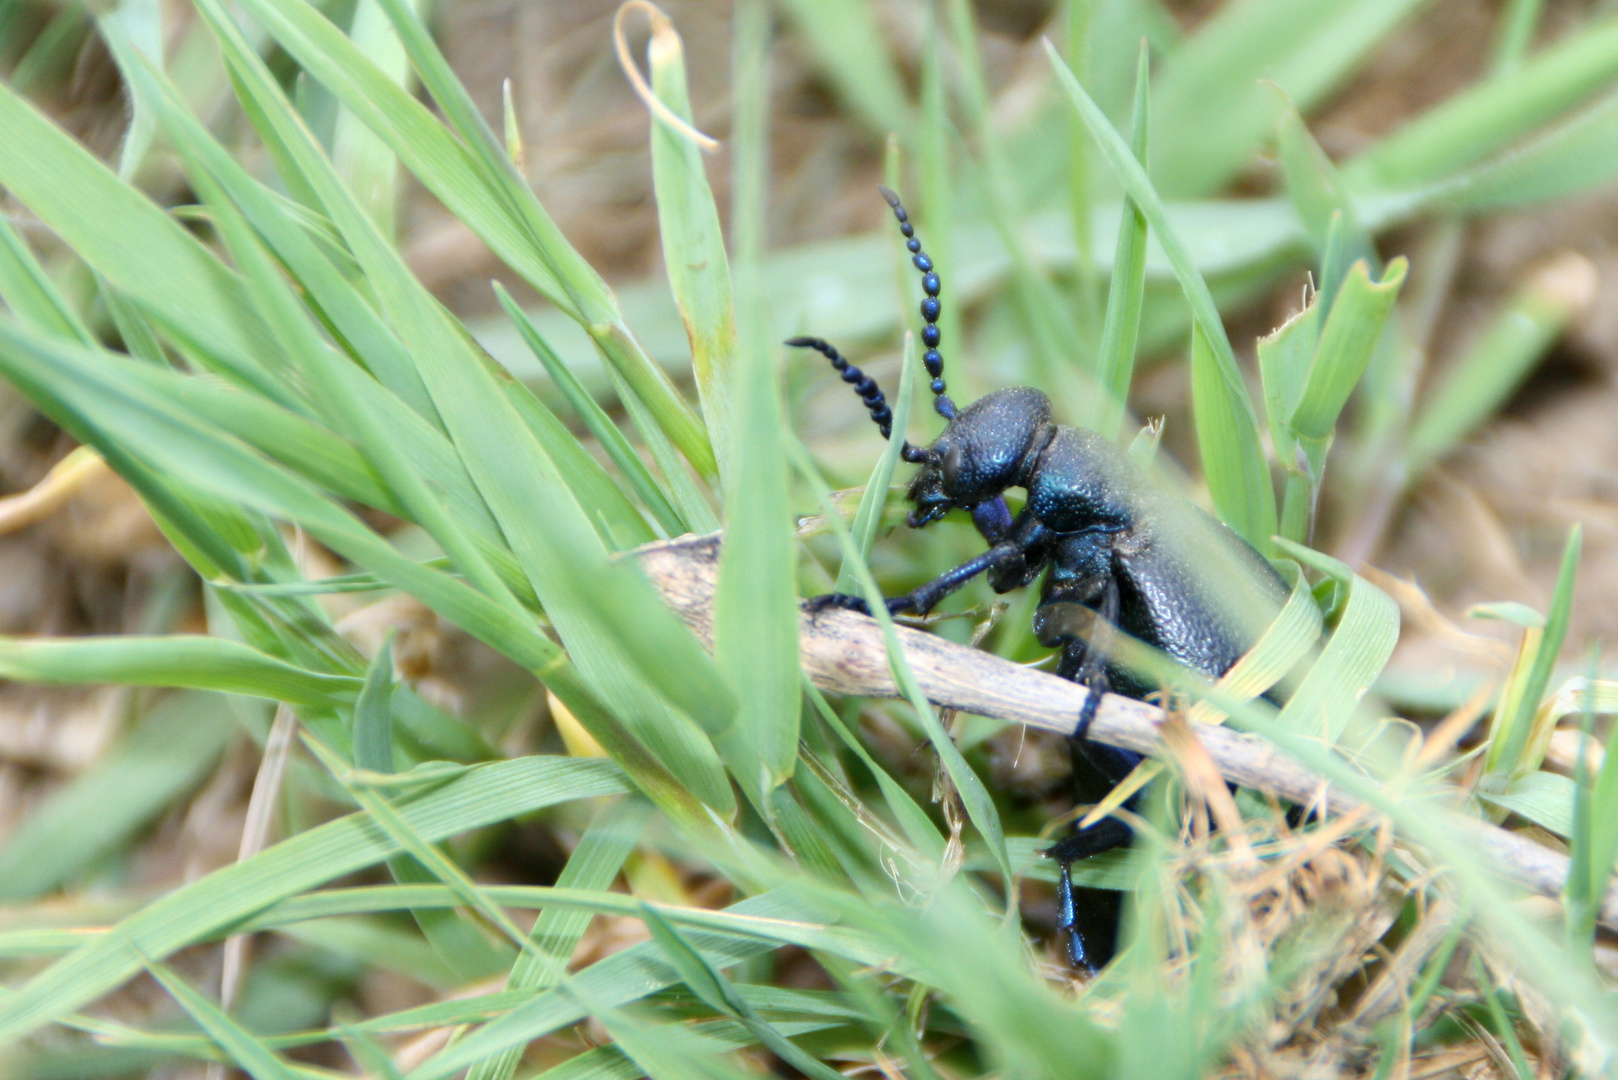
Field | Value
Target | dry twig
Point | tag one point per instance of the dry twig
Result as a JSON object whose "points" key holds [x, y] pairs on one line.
{"points": [[843, 652]]}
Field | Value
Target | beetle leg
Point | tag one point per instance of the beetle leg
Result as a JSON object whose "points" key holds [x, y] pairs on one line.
{"points": [[921, 600], [1027, 534], [993, 519], [1089, 917]]}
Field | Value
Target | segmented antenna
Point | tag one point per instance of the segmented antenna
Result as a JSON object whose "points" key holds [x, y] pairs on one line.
{"points": [[929, 305], [863, 384]]}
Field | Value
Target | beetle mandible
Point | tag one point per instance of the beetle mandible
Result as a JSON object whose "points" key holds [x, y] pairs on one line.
{"points": [[1115, 553]]}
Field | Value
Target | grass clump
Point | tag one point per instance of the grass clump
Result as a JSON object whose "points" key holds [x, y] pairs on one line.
{"points": [[323, 441]]}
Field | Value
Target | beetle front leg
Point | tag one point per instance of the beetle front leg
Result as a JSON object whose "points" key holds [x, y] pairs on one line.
{"points": [[992, 519], [1027, 535], [921, 600]]}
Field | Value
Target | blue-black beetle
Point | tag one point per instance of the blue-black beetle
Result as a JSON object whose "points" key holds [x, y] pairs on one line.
{"points": [[1115, 552]]}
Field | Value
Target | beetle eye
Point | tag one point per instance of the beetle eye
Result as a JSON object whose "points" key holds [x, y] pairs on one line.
{"points": [[951, 465]]}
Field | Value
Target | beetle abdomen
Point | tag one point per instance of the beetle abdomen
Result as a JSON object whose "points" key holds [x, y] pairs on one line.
{"points": [[1197, 591]]}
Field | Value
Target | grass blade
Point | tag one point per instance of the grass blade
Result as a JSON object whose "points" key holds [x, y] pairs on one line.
{"points": [[1318, 192], [980, 808], [849, 42], [169, 753], [693, 247], [595, 418], [1227, 436], [755, 601], [135, 245], [29, 292], [1233, 459], [1360, 646], [201, 663], [1515, 746], [1212, 107], [481, 796], [1480, 380], [593, 865], [1120, 331], [868, 518], [1491, 115]]}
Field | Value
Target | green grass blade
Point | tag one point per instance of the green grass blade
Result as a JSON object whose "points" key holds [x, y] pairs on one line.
{"points": [[1318, 192], [1491, 115], [373, 715], [1284, 356], [200, 663], [531, 226], [693, 247], [1574, 156], [1120, 331], [917, 827], [1355, 326], [1481, 379], [482, 796], [139, 338], [1211, 105], [170, 752], [1360, 646], [771, 918], [350, 403], [334, 382], [755, 601], [135, 245], [622, 978], [1515, 33], [53, 374], [30, 293], [849, 41], [53, 53], [462, 948], [868, 518], [1233, 459], [1513, 757], [1227, 436], [663, 1051], [130, 30], [1081, 187], [239, 1045], [1546, 799], [1594, 838], [594, 864], [604, 612], [717, 993], [419, 848], [980, 808], [1067, 362], [689, 496], [618, 523], [366, 163], [595, 418], [478, 182]]}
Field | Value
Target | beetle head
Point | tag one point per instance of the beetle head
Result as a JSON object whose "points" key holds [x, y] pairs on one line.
{"points": [[980, 454]]}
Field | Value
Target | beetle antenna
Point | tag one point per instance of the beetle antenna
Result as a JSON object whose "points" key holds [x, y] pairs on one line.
{"points": [[929, 305], [863, 384]]}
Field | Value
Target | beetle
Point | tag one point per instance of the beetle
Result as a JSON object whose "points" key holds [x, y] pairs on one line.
{"points": [[1116, 555]]}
